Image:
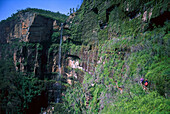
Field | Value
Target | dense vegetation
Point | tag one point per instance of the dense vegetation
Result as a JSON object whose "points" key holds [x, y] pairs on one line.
{"points": [[135, 49], [129, 45], [17, 89]]}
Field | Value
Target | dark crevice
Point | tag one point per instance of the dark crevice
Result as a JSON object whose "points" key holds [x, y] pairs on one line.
{"points": [[159, 20], [123, 49], [65, 26], [72, 56], [73, 41], [44, 59], [67, 34], [90, 47], [102, 25], [24, 51], [132, 14], [109, 10], [37, 103], [95, 10]]}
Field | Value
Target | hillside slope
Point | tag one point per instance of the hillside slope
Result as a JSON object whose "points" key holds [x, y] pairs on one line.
{"points": [[119, 41]]}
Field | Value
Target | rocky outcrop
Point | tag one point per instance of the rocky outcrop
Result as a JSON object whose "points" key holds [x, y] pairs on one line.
{"points": [[29, 39], [41, 29], [16, 28], [28, 27]]}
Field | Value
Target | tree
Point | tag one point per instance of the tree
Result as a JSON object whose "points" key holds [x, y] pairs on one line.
{"points": [[70, 11], [73, 10], [16, 89]]}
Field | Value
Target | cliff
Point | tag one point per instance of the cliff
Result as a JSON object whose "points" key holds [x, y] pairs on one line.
{"points": [[27, 40], [28, 27], [107, 46]]}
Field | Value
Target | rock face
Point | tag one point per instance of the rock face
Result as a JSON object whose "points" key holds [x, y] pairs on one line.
{"points": [[37, 49], [17, 28], [20, 28], [29, 38], [32, 33], [41, 29]]}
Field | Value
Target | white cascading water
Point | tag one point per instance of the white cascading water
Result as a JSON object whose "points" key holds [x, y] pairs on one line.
{"points": [[59, 60], [57, 85]]}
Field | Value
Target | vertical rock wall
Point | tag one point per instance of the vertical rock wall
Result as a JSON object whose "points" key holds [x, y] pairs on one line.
{"points": [[16, 28]]}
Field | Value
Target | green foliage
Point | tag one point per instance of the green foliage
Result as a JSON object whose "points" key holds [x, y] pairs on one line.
{"points": [[159, 75], [150, 103], [53, 48], [39, 47], [75, 49], [74, 100], [103, 34], [127, 51], [55, 36], [17, 90], [59, 108]]}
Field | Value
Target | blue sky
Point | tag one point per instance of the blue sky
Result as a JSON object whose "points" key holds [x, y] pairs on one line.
{"points": [[8, 7]]}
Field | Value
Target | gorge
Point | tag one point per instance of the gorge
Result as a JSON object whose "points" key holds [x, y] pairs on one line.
{"points": [[88, 62]]}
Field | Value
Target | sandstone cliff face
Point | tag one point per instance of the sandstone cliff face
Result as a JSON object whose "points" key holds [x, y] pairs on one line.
{"points": [[20, 28], [28, 37], [41, 29], [17, 28], [37, 38]]}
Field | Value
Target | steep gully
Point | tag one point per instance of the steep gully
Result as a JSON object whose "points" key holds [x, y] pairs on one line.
{"points": [[56, 89]]}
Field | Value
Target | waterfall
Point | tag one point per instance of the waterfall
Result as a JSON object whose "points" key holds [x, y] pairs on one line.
{"points": [[59, 60], [57, 86]]}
